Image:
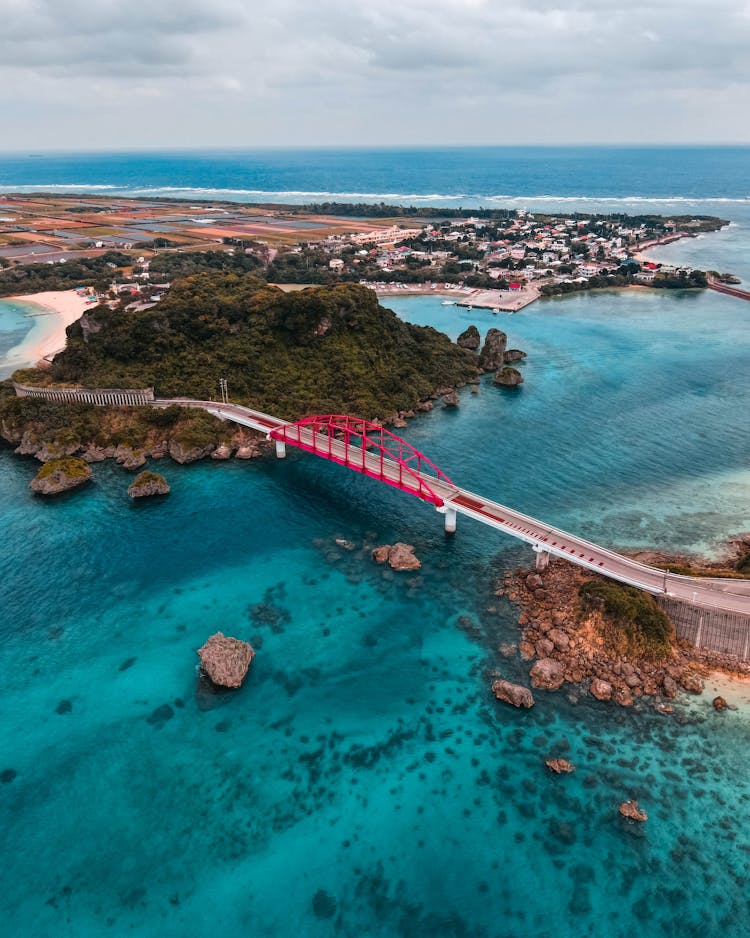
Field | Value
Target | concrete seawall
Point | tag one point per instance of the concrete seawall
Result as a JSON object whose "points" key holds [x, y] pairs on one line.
{"points": [[713, 629]]}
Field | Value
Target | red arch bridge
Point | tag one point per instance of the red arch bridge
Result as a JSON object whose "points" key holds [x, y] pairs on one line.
{"points": [[380, 454], [376, 452]]}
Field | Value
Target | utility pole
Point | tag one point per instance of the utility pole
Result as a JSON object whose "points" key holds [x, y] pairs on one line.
{"points": [[224, 390]]}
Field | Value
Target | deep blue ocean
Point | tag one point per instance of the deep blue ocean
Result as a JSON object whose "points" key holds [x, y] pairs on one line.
{"points": [[364, 781]]}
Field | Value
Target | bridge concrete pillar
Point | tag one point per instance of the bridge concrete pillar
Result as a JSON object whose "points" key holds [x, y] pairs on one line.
{"points": [[542, 558], [280, 449], [450, 520]]}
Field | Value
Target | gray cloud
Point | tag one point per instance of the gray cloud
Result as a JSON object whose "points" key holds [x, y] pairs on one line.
{"points": [[413, 71]]}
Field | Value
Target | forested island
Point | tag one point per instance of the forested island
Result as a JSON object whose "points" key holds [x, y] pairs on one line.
{"points": [[322, 350]]}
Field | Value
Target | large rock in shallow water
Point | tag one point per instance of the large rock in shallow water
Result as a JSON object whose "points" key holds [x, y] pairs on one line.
{"points": [[60, 475], [547, 674], [514, 694], [225, 660], [147, 484], [493, 351], [401, 557], [514, 355], [601, 689], [470, 339], [632, 811], [508, 377]]}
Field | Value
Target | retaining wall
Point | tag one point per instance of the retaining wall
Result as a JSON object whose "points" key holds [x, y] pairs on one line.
{"points": [[725, 632], [107, 397]]}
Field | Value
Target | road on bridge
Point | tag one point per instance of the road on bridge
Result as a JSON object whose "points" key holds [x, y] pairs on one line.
{"points": [[729, 595]]}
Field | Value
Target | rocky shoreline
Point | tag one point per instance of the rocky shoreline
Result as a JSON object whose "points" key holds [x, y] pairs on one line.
{"points": [[33, 436], [567, 643]]}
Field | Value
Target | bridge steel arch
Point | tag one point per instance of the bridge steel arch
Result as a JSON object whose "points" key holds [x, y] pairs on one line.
{"points": [[368, 448]]}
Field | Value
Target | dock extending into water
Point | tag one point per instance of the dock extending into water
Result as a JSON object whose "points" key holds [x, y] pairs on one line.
{"points": [[504, 301]]}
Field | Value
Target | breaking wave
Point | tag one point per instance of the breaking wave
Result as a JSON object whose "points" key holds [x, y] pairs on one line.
{"points": [[402, 198]]}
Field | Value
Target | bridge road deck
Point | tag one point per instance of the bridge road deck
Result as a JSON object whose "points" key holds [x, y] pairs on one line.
{"points": [[728, 594]]}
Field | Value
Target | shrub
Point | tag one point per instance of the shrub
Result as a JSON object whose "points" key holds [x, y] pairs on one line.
{"points": [[635, 624]]}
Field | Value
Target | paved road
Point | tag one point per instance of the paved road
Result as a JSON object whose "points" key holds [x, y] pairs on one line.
{"points": [[726, 594], [728, 289]]}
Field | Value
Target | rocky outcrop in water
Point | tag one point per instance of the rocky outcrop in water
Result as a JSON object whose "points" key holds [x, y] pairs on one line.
{"points": [[555, 625], [183, 453], [632, 811], [225, 661], [560, 766], [60, 475], [470, 339], [130, 458], [147, 484], [514, 694], [547, 674], [399, 556], [451, 400], [719, 703], [508, 377], [493, 350], [691, 682], [513, 355], [600, 689]]}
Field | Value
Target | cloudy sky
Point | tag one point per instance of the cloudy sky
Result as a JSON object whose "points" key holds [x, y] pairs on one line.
{"points": [[108, 73]]}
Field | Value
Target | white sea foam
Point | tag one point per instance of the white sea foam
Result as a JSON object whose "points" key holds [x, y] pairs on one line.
{"points": [[437, 198]]}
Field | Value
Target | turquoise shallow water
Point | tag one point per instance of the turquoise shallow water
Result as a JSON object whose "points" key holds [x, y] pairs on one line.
{"points": [[364, 781], [15, 325]]}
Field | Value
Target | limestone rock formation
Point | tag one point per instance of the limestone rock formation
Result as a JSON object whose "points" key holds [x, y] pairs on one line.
{"points": [[185, 454], [630, 810], [513, 355], [508, 377], [558, 638], [547, 674], [380, 554], [60, 475], [147, 484], [54, 450], [669, 687], [691, 682], [222, 451], [560, 766], [470, 339], [400, 556], [514, 694], [600, 689], [225, 661], [719, 703], [451, 400], [130, 458], [622, 696], [493, 350]]}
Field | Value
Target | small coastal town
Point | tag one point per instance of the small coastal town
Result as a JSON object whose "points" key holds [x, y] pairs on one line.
{"points": [[499, 260]]}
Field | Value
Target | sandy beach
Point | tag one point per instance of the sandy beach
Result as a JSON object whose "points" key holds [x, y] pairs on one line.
{"points": [[52, 313]]}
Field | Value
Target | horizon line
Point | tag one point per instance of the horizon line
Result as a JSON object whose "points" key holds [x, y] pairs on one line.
{"points": [[348, 147]]}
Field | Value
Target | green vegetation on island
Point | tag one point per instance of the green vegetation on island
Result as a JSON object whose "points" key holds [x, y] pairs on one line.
{"points": [[40, 278], [321, 350], [327, 349], [633, 623]]}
